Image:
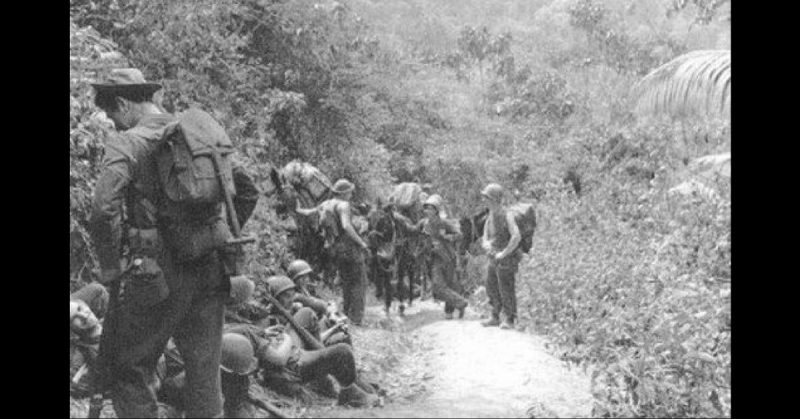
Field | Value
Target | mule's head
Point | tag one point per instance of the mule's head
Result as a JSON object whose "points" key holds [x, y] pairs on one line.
{"points": [[286, 196], [472, 229]]}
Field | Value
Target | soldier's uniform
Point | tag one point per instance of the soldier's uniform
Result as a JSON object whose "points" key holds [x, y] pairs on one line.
{"points": [[500, 275], [346, 252], [443, 262], [168, 297]]}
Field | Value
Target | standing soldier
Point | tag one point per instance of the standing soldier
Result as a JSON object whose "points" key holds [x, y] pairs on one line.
{"points": [[180, 280], [346, 247], [500, 239], [441, 235]]}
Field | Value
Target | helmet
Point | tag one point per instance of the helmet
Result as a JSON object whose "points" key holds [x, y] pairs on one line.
{"points": [[343, 186], [493, 191], [297, 268], [278, 284], [238, 356], [433, 202], [241, 290]]}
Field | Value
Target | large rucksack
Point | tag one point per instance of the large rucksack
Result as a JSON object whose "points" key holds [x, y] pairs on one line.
{"points": [[406, 195], [306, 176], [525, 216], [185, 160]]}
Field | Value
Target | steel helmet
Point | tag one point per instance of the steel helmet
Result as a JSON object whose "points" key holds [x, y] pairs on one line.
{"points": [[434, 202], [238, 356], [278, 284], [297, 268], [493, 191], [343, 186]]}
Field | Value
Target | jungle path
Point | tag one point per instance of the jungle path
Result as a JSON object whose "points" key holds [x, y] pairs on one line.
{"points": [[458, 368]]}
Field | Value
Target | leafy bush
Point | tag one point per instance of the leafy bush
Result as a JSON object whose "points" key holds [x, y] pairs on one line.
{"points": [[649, 310]]}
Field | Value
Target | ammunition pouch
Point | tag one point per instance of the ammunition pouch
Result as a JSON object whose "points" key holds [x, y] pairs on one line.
{"points": [[146, 285], [192, 241], [145, 242]]}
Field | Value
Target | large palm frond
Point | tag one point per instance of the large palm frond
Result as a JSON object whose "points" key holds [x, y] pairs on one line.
{"points": [[696, 83]]}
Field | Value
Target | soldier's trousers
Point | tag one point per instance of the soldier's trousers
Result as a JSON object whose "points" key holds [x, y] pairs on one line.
{"points": [[193, 315], [351, 266], [500, 285], [444, 285]]}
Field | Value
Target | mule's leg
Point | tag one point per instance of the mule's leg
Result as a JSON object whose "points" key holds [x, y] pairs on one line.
{"points": [[386, 281], [412, 281]]}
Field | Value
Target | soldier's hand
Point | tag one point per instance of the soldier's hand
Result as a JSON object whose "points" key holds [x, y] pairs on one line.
{"points": [[273, 331]]}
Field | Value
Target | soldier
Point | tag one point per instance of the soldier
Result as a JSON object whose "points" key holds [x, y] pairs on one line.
{"points": [[168, 294], [441, 236], [289, 362], [86, 307], [500, 239], [237, 364], [328, 314], [346, 247]]}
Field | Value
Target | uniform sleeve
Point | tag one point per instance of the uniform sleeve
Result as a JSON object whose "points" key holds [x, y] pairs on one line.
{"points": [[319, 306], [247, 194], [105, 220]]}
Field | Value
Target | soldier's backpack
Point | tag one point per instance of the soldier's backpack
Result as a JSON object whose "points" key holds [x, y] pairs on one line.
{"points": [[185, 161], [305, 176], [525, 216]]}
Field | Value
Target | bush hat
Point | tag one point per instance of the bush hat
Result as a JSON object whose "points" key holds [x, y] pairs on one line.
{"points": [[493, 191], [343, 186], [122, 79]]}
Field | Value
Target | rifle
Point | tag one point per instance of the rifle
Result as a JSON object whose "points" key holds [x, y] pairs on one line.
{"points": [[240, 286], [229, 208], [307, 338]]}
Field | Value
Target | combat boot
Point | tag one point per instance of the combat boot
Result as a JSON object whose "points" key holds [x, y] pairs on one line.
{"points": [[354, 396], [494, 321]]}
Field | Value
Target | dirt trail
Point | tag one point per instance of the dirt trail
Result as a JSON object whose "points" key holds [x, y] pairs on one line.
{"points": [[473, 371]]}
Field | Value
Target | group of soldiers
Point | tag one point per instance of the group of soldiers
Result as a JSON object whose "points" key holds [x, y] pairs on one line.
{"points": [[167, 311]]}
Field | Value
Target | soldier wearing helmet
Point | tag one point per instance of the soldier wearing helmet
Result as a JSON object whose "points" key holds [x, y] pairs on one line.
{"points": [[500, 239], [342, 240], [441, 235], [288, 363], [330, 319], [238, 363]]}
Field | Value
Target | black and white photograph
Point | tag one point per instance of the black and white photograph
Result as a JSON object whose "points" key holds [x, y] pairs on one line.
{"points": [[400, 208]]}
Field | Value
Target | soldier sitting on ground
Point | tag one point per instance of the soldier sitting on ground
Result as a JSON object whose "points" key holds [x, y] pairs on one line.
{"points": [[330, 319], [288, 362], [87, 307], [238, 364]]}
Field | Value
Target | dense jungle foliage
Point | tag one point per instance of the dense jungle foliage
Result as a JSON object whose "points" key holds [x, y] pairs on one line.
{"points": [[625, 276]]}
